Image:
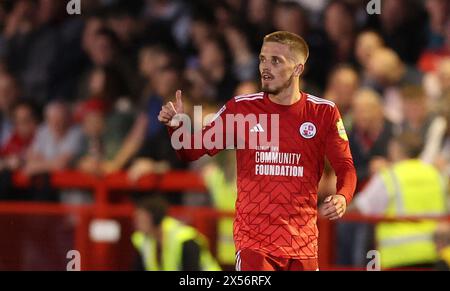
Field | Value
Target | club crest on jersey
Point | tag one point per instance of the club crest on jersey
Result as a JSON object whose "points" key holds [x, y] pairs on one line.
{"points": [[308, 130]]}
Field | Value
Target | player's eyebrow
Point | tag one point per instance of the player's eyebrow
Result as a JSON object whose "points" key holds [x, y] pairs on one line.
{"points": [[281, 58]]}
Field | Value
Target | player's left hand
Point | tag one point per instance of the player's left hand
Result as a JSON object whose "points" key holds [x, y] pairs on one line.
{"points": [[334, 207]]}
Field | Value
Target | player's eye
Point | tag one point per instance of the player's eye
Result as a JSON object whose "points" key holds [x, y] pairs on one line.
{"points": [[262, 59], [275, 61]]}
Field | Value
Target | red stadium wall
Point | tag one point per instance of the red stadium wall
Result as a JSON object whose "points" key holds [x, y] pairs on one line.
{"points": [[37, 236]]}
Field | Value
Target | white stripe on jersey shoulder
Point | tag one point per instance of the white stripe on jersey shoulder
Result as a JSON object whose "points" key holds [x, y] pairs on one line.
{"points": [[317, 100], [321, 102], [249, 97]]}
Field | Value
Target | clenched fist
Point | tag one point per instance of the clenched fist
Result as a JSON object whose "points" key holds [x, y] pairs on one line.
{"points": [[168, 113]]}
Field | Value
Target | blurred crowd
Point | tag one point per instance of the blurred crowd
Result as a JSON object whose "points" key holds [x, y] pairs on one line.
{"points": [[84, 91]]}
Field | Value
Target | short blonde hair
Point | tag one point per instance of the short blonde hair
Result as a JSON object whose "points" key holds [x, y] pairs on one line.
{"points": [[295, 43]]}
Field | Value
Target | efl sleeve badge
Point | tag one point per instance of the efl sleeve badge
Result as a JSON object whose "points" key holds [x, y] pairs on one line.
{"points": [[341, 129]]}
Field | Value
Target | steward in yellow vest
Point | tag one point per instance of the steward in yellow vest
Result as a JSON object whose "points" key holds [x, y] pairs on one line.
{"points": [[222, 186], [166, 244], [408, 188]]}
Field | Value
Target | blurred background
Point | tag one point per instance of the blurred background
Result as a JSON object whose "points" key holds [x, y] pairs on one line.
{"points": [[80, 142]]}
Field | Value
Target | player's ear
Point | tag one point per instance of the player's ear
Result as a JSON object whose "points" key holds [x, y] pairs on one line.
{"points": [[298, 71]]}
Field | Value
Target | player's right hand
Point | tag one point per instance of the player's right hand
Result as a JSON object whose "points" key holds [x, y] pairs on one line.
{"points": [[168, 113]]}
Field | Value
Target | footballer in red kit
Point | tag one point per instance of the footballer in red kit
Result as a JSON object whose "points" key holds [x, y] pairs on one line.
{"points": [[280, 155]]}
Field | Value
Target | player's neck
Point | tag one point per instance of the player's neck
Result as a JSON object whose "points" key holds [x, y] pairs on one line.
{"points": [[288, 96]]}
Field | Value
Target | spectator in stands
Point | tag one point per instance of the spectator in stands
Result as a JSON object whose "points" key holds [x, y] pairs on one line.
{"points": [[152, 58], [421, 120], [437, 147], [13, 153], [201, 30], [430, 59], [213, 64], [340, 29], [369, 138], [127, 28], [443, 75], [436, 83], [370, 135], [103, 50], [291, 16], [104, 47], [199, 85], [342, 86], [166, 244], [257, 14], [401, 25], [92, 25], [56, 142], [438, 13], [366, 43], [245, 63], [25, 122], [55, 145], [162, 11], [18, 21], [69, 62], [314, 9], [148, 141], [9, 93], [418, 117], [103, 130], [409, 187], [32, 45], [106, 84], [167, 21], [387, 74], [155, 154], [93, 145], [225, 14]]}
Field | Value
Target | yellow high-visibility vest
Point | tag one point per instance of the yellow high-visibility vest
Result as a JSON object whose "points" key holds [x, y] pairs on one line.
{"points": [[445, 255], [175, 234], [224, 198], [415, 189]]}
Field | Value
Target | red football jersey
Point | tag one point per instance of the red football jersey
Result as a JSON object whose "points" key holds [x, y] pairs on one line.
{"points": [[276, 207]]}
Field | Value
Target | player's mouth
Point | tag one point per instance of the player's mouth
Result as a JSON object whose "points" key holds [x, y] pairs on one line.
{"points": [[267, 77]]}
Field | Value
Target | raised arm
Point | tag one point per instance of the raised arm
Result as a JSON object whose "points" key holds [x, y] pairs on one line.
{"points": [[170, 116]]}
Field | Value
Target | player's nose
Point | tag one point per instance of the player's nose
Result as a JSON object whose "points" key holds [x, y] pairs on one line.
{"points": [[264, 66]]}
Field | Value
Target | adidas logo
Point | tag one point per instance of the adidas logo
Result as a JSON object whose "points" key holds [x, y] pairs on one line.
{"points": [[257, 128]]}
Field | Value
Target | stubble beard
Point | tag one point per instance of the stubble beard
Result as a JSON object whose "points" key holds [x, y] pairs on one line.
{"points": [[278, 90]]}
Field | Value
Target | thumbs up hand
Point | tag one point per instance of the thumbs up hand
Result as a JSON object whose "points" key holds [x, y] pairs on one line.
{"points": [[168, 113]]}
